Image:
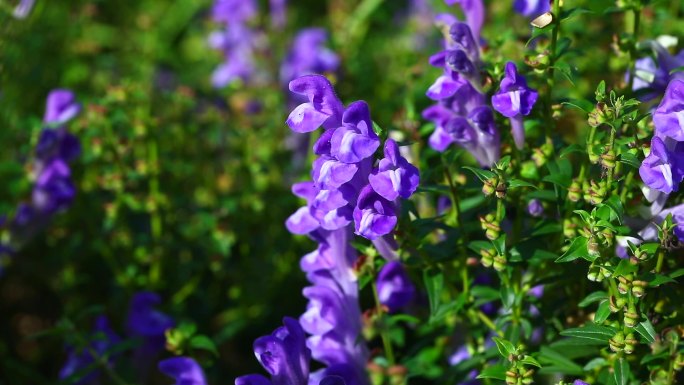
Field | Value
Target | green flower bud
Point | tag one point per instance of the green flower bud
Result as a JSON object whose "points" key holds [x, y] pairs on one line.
{"points": [[499, 263], [593, 247], [575, 191], [617, 342], [501, 190], [616, 303], [623, 285], [608, 159], [630, 343], [631, 317], [594, 274], [638, 288], [489, 186], [511, 377]]}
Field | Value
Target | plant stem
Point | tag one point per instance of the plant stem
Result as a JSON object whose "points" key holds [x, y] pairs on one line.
{"points": [[632, 51], [455, 202], [387, 344], [661, 259], [550, 79]]}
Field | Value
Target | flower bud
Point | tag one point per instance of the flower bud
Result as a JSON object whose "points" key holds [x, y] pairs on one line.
{"points": [[575, 191], [630, 343], [604, 271], [616, 303], [623, 285], [490, 185], [608, 159], [594, 274], [593, 247], [511, 377], [638, 288], [617, 342], [501, 190], [487, 257], [569, 228], [499, 263], [631, 317], [491, 228]]}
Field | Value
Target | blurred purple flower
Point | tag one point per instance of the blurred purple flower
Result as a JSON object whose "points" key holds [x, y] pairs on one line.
{"points": [[147, 322], [61, 107], [184, 370], [101, 341], [531, 8], [535, 208], [653, 76], [515, 100], [308, 55], [395, 176], [233, 11], [278, 10], [668, 118], [395, 289], [580, 382], [663, 168], [53, 190], [22, 10]]}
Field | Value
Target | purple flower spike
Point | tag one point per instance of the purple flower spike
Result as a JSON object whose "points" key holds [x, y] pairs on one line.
{"points": [[374, 215], [663, 168], [61, 107], [395, 289], [531, 8], [233, 11], [323, 109], [184, 370], [669, 116], [580, 382], [459, 61], [395, 176], [278, 13], [535, 208], [515, 100], [308, 55], [355, 140], [283, 354], [54, 190]]}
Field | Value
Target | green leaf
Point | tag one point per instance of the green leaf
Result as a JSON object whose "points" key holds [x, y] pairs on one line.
{"points": [[204, 343], [505, 347], [561, 180], [621, 371], [500, 244], [629, 159], [583, 105], [434, 283], [497, 372], [595, 363], [655, 280], [536, 32], [529, 360], [577, 249], [647, 331], [624, 268], [616, 206], [602, 312], [514, 183], [590, 332], [570, 149], [572, 12], [593, 297], [557, 362], [481, 174]]}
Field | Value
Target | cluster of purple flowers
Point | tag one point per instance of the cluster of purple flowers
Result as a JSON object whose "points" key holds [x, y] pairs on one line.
{"points": [[53, 190], [651, 77], [461, 115], [144, 322], [346, 188], [238, 40]]}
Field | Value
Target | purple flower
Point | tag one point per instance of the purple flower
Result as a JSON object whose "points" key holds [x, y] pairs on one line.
{"points": [[580, 382], [22, 9], [474, 11], [653, 77], [101, 341], [283, 354], [515, 100], [531, 8], [61, 107], [308, 55], [462, 36], [395, 176], [395, 289], [663, 168], [323, 108], [233, 11], [355, 140], [669, 116], [374, 216], [57, 143], [535, 208], [459, 62], [184, 370], [54, 190], [145, 321], [278, 13]]}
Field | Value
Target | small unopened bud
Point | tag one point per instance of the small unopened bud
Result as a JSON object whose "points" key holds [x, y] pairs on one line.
{"points": [[575, 191], [617, 342], [594, 274], [490, 186], [608, 159], [679, 361], [638, 288], [604, 270], [616, 303], [501, 190], [511, 377], [631, 317], [569, 228], [593, 247], [487, 257], [630, 343], [499, 263], [623, 285]]}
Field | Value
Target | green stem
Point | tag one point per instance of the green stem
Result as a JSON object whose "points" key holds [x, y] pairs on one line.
{"points": [[632, 51], [661, 259], [550, 79], [455, 202], [387, 344], [611, 144], [155, 217], [488, 322]]}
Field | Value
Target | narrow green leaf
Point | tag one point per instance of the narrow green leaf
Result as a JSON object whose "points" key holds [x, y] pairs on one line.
{"points": [[593, 297], [621, 371], [602, 312], [515, 183], [204, 343], [590, 332], [497, 372], [481, 174], [505, 347], [434, 283], [647, 331], [529, 360]]}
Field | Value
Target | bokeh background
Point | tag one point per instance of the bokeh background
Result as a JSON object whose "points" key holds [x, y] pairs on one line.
{"points": [[183, 189]]}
